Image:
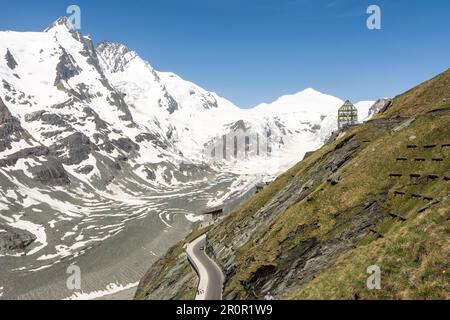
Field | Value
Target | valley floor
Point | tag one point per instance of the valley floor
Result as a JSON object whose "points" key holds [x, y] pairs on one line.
{"points": [[111, 269]]}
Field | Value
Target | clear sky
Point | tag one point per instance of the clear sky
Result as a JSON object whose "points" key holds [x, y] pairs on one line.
{"points": [[253, 51]]}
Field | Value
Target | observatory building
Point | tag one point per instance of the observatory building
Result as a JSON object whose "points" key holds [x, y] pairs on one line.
{"points": [[347, 115]]}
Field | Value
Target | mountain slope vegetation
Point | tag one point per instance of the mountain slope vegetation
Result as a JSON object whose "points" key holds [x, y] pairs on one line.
{"points": [[376, 195]]}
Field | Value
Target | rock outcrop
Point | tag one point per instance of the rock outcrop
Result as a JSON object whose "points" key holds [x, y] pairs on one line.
{"points": [[10, 128], [11, 62], [5, 114], [14, 240], [51, 173], [74, 149]]}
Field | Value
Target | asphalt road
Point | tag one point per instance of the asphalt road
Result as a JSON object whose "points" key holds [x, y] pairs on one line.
{"points": [[211, 277]]}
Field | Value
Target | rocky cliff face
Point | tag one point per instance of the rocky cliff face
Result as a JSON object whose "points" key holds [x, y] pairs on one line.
{"points": [[14, 240], [5, 114], [364, 199], [10, 128], [380, 106]]}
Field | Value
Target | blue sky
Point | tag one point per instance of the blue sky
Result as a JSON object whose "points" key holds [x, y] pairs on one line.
{"points": [[253, 51]]}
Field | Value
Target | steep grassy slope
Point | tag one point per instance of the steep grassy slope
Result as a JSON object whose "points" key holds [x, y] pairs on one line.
{"points": [[377, 195], [431, 95]]}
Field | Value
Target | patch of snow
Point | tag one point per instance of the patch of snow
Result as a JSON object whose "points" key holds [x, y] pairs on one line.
{"points": [[11, 194], [364, 110], [194, 218], [110, 289]]}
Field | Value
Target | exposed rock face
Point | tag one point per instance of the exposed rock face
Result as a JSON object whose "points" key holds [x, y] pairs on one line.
{"points": [[86, 169], [116, 99], [62, 21], [172, 105], [14, 240], [119, 51], [210, 102], [380, 106], [99, 123], [300, 264], [151, 175], [126, 145], [10, 128], [238, 126], [66, 68], [47, 118], [5, 115], [38, 151], [79, 148], [11, 62], [51, 173], [155, 139]]}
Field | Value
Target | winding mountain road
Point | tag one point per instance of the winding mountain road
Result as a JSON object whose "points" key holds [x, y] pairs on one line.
{"points": [[211, 277]]}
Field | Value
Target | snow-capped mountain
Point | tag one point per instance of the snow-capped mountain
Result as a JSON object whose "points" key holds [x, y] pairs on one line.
{"points": [[193, 117], [188, 114], [92, 138]]}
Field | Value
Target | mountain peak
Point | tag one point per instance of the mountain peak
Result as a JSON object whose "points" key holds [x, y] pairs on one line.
{"points": [[307, 94], [61, 21], [310, 91]]}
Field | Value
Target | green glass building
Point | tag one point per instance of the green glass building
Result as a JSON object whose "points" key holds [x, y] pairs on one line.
{"points": [[347, 115]]}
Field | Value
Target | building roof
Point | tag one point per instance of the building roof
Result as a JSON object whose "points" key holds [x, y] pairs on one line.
{"points": [[213, 210], [348, 106]]}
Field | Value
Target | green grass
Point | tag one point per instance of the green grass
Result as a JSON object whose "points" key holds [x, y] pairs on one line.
{"points": [[413, 255], [363, 178], [428, 96], [413, 258]]}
